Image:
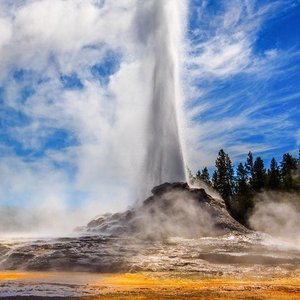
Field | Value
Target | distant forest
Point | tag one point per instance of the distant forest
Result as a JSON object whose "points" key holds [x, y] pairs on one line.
{"points": [[240, 186]]}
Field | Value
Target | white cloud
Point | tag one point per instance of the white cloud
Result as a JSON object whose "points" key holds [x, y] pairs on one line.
{"points": [[56, 37], [45, 29], [226, 46], [271, 53], [6, 32], [227, 83]]}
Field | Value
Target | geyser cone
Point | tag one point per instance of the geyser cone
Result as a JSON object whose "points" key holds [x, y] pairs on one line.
{"points": [[163, 30]]}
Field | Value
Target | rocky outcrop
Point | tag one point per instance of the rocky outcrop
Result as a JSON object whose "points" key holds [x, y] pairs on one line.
{"points": [[177, 228], [173, 209]]}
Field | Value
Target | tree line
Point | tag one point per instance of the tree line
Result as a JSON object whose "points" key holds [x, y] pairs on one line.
{"points": [[239, 186]]}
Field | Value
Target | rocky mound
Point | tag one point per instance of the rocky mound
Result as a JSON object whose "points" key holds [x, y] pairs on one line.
{"points": [[177, 229], [174, 209]]}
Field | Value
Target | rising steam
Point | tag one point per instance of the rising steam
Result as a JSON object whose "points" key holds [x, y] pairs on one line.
{"points": [[278, 214], [160, 26]]}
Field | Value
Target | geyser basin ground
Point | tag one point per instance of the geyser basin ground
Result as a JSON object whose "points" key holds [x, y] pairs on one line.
{"points": [[88, 286], [180, 242], [232, 266]]}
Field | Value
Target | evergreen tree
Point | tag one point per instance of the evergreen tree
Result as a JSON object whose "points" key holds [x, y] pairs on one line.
{"points": [[258, 175], [205, 176], [243, 198], [288, 167], [214, 180], [241, 179], [238, 191], [273, 178], [249, 164], [223, 177]]}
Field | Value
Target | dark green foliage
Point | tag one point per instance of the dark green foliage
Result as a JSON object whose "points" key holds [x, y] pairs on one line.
{"points": [[250, 178], [273, 178], [243, 196], [204, 176], [241, 179], [288, 170], [258, 180], [249, 164], [288, 164], [201, 176], [223, 177]]}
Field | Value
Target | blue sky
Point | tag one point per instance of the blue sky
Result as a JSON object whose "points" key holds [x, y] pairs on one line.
{"points": [[72, 93], [247, 72]]}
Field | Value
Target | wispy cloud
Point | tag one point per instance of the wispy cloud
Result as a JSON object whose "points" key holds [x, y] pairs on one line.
{"points": [[241, 96]]}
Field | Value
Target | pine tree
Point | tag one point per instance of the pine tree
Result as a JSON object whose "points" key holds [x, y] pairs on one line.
{"points": [[205, 176], [243, 198], [273, 178], [223, 177], [288, 167], [249, 164], [258, 175], [241, 179], [214, 180]]}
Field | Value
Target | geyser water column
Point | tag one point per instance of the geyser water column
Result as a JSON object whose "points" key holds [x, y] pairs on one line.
{"points": [[161, 25]]}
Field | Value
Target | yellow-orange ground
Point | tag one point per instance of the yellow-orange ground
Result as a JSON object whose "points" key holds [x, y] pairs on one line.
{"points": [[169, 285]]}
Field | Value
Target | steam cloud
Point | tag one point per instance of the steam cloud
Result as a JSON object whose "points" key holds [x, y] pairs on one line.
{"points": [[183, 218], [278, 215]]}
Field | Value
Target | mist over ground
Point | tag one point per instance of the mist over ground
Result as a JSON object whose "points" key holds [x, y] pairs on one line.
{"points": [[278, 214]]}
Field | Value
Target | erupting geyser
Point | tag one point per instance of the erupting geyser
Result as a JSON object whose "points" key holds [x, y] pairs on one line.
{"points": [[177, 229], [161, 26]]}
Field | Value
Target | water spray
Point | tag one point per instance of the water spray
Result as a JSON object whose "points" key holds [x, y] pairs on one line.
{"points": [[162, 37]]}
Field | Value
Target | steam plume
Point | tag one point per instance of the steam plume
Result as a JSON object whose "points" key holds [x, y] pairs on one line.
{"points": [[278, 214], [161, 25]]}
